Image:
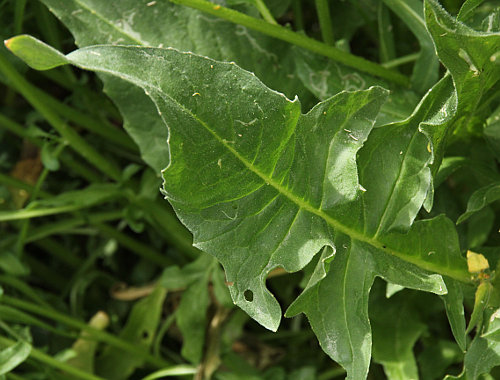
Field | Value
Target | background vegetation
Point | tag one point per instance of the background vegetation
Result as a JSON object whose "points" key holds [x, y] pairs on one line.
{"points": [[99, 279]]}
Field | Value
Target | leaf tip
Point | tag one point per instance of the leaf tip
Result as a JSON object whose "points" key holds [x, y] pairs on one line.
{"points": [[8, 43]]}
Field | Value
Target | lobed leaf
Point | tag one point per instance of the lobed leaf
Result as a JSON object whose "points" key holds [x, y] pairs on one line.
{"points": [[262, 186]]}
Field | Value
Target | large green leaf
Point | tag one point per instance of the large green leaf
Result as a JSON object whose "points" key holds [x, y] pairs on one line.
{"points": [[262, 186], [135, 22]]}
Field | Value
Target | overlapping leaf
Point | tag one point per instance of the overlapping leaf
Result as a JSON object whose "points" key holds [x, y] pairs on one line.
{"points": [[135, 22], [262, 186]]}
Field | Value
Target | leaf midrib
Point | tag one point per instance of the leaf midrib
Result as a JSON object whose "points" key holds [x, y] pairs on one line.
{"points": [[335, 224]]}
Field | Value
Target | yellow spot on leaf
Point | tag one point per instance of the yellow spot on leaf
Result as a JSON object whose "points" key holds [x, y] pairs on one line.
{"points": [[476, 262], [217, 7], [429, 147]]}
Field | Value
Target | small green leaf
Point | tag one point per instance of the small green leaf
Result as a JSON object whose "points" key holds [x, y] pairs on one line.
{"points": [[115, 364], [35, 53], [14, 355], [480, 302], [191, 317], [480, 199], [454, 305], [85, 347]]}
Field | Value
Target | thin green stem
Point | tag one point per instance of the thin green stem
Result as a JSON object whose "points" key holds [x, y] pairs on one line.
{"points": [[20, 6], [112, 134], [68, 224], [36, 213], [18, 184], [24, 288], [385, 33], [79, 144], [264, 12], [33, 196], [99, 335], [66, 158], [174, 232], [141, 249], [298, 16], [298, 39], [18, 129], [50, 30], [45, 274], [51, 362], [325, 21], [55, 249], [332, 374], [401, 60]]}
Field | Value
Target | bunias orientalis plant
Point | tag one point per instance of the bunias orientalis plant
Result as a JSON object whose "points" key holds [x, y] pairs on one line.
{"points": [[262, 185]]}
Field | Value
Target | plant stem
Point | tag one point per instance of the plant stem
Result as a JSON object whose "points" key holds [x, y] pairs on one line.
{"points": [[66, 158], [67, 133], [298, 39], [20, 5], [114, 135], [33, 196], [298, 16], [99, 335], [141, 249], [55, 249], [401, 60], [24, 288], [18, 184], [27, 213], [386, 35], [50, 361], [67, 224], [264, 12], [325, 21], [174, 232]]}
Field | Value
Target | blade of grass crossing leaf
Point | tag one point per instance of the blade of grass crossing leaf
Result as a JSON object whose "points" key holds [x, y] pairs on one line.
{"points": [[425, 71], [48, 59], [387, 50], [296, 39]]}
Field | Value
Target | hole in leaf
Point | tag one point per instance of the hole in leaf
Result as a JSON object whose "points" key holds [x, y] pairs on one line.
{"points": [[384, 246], [145, 334], [248, 295]]}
